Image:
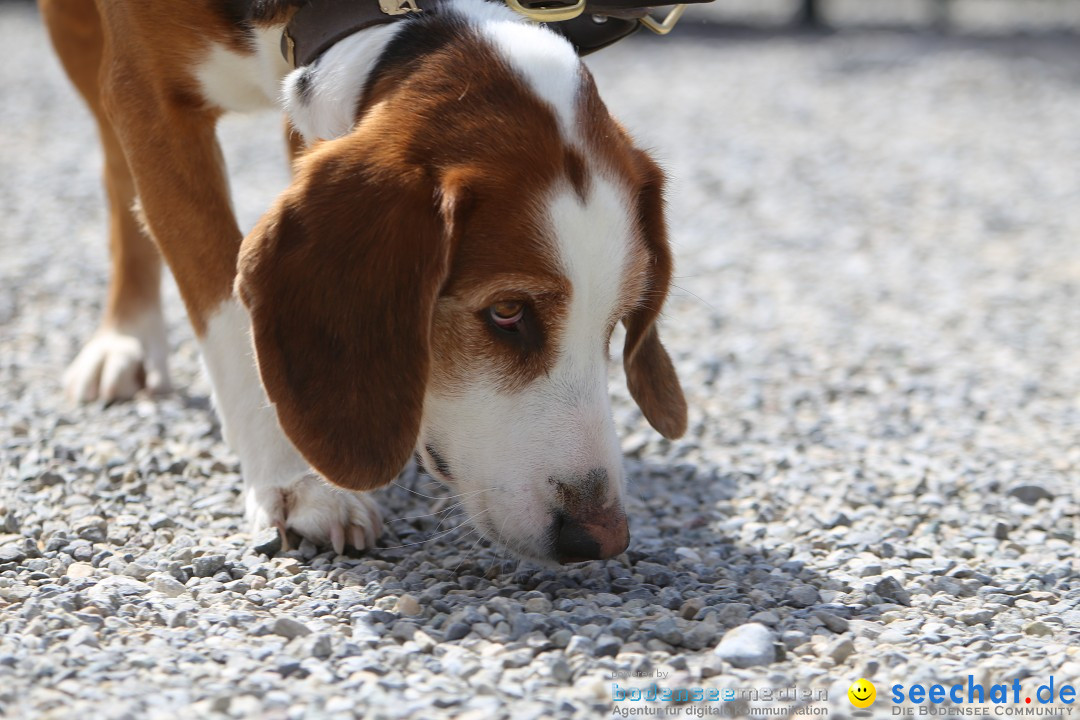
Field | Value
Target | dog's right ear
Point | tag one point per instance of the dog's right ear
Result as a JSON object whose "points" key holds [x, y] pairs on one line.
{"points": [[340, 278], [650, 374]]}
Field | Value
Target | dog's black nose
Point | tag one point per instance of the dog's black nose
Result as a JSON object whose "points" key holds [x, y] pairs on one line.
{"points": [[595, 537]]}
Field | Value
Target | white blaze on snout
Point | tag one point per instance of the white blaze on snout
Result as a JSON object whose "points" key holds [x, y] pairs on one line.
{"points": [[505, 448]]}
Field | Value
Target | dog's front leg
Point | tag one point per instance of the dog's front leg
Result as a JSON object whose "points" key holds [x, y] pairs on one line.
{"points": [[280, 490], [170, 144]]}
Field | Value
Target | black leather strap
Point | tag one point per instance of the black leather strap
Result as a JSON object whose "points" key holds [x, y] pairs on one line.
{"points": [[590, 32], [320, 23]]}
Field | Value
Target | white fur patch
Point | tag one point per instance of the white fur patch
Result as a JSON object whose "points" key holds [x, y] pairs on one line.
{"points": [[243, 82], [593, 242], [321, 99], [334, 83], [120, 359], [504, 449], [544, 60], [248, 421]]}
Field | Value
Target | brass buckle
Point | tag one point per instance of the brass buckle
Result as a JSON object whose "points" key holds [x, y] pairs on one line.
{"points": [[399, 7], [552, 14], [662, 27]]}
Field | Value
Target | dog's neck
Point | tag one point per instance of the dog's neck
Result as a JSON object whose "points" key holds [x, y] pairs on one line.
{"points": [[322, 99]]}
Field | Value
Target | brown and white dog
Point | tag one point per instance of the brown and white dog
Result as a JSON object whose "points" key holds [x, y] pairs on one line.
{"points": [[442, 276]]}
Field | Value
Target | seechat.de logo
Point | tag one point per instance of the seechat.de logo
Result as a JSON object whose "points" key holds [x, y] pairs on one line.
{"points": [[862, 693]]}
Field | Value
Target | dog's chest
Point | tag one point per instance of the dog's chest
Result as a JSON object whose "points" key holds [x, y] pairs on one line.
{"points": [[243, 82]]}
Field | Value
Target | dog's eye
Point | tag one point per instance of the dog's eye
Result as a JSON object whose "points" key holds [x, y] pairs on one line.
{"points": [[507, 314]]}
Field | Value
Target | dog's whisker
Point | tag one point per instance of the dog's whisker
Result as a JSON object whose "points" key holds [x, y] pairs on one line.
{"points": [[439, 511], [697, 297], [439, 497], [435, 537], [479, 539]]}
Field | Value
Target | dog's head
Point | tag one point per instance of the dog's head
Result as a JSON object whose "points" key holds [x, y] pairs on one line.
{"points": [[445, 279]]}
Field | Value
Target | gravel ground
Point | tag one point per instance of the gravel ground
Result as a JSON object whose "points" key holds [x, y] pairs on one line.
{"points": [[878, 327]]}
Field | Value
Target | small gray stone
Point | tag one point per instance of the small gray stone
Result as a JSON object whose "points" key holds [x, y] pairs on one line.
{"points": [[91, 528], [975, 617], [891, 636], [803, 596], [579, 645], [403, 630], [1030, 494], [891, 590], [308, 550], [747, 646], [167, 584], [765, 617], [538, 605], [318, 646], [607, 645], [456, 631], [621, 628], [137, 571], [700, 635], [161, 520], [730, 614], [407, 605], [12, 553], [267, 541], [1038, 629], [560, 669], [711, 665], [517, 658], [208, 565], [793, 638], [867, 569], [79, 570], [690, 608], [561, 638], [667, 629], [289, 628], [834, 622], [840, 650]]}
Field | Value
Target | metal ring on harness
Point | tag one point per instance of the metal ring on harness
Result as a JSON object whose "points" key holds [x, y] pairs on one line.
{"points": [[662, 27], [548, 14]]}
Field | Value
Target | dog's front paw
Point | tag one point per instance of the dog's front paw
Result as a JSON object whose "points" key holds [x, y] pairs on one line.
{"points": [[317, 511], [118, 362]]}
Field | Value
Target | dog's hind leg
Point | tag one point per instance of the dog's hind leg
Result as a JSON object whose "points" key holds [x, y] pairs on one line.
{"points": [[129, 351]]}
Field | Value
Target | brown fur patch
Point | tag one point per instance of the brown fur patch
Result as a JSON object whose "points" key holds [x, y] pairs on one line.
{"points": [[146, 96]]}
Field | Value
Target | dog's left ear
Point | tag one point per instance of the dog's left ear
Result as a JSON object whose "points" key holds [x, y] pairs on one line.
{"points": [[340, 278], [650, 375]]}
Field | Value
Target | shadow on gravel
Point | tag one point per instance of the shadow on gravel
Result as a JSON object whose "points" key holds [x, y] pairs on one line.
{"points": [[682, 583]]}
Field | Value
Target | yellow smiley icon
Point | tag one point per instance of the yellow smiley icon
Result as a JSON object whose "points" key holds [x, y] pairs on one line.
{"points": [[862, 693]]}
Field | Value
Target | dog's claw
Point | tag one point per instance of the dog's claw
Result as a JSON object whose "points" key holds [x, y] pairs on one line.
{"points": [[283, 533], [369, 529], [118, 362], [337, 538], [317, 511], [358, 537]]}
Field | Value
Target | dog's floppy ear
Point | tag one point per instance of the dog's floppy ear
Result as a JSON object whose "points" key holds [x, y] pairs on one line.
{"points": [[340, 278], [650, 375]]}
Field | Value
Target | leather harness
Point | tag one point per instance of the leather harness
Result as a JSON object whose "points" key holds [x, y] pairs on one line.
{"points": [[589, 25]]}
